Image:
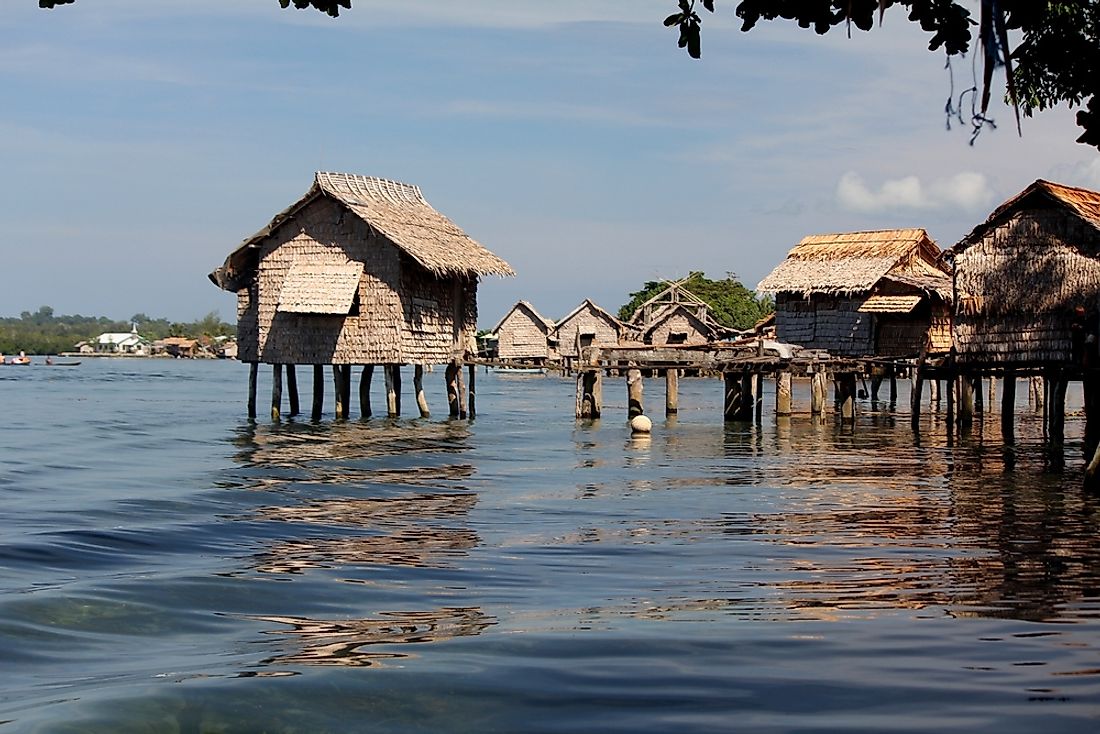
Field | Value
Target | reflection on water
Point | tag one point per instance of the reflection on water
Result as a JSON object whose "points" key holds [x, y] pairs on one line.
{"points": [[352, 642], [794, 575]]}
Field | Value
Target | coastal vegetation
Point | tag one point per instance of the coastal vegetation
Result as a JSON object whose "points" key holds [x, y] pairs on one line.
{"points": [[43, 332], [731, 303]]}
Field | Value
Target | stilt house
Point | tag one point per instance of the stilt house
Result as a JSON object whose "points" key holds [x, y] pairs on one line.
{"points": [[1028, 278], [678, 323], [524, 334], [359, 270], [880, 293], [587, 325]]}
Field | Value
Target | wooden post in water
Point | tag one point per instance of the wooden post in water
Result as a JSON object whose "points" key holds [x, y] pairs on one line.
{"points": [[893, 388], [979, 395], [1058, 384], [471, 390], [783, 393], [452, 388], [589, 393], [253, 368], [991, 399], [672, 391], [966, 399], [292, 389], [846, 392], [365, 379], [1035, 392], [1008, 406], [934, 393], [915, 396], [391, 373], [731, 396], [276, 390], [418, 390], [318, 392], [462, 413], [758, 396], [634, 403], [345, 386], [338, 391], [818, 390]]}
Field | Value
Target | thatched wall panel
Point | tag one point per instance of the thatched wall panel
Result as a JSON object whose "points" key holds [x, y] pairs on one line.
{"points": [[522, 336], [834, 324], [678, 322]]}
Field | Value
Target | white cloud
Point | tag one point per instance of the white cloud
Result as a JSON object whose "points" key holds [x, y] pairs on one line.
{"points": [[966, 191]]}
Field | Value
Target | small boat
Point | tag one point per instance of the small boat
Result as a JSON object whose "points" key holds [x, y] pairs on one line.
{"points": [[62, 364], [518, 370], [17, 361]]}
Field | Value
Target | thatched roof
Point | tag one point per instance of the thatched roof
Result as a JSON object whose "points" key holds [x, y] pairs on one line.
{"points": [[587, 303], [398, 211], [532, 312], [1083, 203], [851, 262]]}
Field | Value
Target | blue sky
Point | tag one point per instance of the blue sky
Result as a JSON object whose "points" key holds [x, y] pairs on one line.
{"points": [[141, 141]]}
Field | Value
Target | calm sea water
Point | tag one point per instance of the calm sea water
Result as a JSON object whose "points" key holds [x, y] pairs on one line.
{"points": [[168, 566]]}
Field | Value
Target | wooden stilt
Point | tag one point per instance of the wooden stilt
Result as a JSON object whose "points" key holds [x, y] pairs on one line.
{"points": [[452, 388], [471, 390], [672, 391], [1008, 406], [253, 368], [365, 379], [731, 401], [338, 391], [783, 393], [991, 399], [893, 389], [462, 413], [915, 396], [758, 396], [276, 390], [979, 396], [292, 389], [877, 376], [846, 384], [589, 393], [418, 389], [1035, 392], [1058, 386], [934, 393], [949, 386], [391, 375], [345, 388], [634, 403], [818, 383], [318, 392], [966, 399]]}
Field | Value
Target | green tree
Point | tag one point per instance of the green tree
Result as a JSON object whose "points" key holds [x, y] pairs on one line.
{"points": [[1057, 60], [731, 303]]}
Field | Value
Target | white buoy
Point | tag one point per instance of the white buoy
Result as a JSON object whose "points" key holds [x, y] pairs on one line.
{"points": [[640, 424]]}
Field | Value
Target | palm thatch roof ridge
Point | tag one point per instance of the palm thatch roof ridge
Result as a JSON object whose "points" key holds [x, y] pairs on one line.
{"points": [[527, 306], [589, 303], [1084, 203], [850, 262], [396, 210]]}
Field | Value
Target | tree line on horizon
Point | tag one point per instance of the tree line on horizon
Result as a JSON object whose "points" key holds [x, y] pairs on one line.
{"points": [[43, 332]]}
